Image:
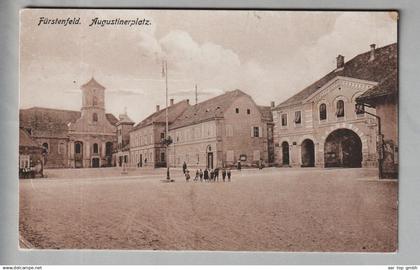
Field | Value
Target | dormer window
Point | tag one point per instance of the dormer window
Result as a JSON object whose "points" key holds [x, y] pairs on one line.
{"points": [[340, 108]]}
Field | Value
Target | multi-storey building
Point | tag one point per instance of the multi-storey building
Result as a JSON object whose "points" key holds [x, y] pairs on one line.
{"points": [[124, 126], [146, 138], [220, 132], [319, 126], [74, 139]]}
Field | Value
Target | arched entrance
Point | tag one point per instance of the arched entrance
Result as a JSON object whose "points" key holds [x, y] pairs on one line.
{"points": [[285, 152], [308, 153], [343, 148]]}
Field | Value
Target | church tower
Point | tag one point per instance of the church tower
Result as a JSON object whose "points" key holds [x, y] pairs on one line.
{"points": [[93, 102]]}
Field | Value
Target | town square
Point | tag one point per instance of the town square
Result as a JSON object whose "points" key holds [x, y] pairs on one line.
{"points": [[180, 136], [264, 210]]}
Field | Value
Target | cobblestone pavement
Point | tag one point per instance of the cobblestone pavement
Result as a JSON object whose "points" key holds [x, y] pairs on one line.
{"points": [[270, 210]]}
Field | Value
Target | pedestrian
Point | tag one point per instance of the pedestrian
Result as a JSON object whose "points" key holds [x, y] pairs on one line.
{"points": [[184, 167], [206, 175], [228, 174], [187, 175], [201, 175], [211, 175], [197, 175], [216, 174], [260, 164], [239, 165], [223, 174]]}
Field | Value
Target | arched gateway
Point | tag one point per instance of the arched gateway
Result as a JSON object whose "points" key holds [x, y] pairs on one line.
{"points": [[343, 148], [308, 153]]}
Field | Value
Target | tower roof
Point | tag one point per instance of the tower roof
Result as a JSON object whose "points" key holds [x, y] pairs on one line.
{"points": [[92, 83]]}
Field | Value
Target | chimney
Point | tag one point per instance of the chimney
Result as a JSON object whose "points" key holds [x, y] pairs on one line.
{"points": [[172, 102], [157, 108], [188, 101], [372, 52], [272, 104], [340, 61]]}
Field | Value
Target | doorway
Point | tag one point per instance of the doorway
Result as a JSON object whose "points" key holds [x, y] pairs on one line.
{"points": [[285, 152], [308, 153], [95, 162], [210, 160]]}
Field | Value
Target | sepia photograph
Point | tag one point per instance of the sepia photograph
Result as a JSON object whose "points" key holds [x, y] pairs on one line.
{"points": [[208, 130]]}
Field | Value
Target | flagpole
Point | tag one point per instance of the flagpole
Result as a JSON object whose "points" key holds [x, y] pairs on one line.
{"points": [[168, 177]]}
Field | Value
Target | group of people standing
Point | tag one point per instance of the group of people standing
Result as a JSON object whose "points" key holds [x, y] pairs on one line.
{"points": [[208, 175]]}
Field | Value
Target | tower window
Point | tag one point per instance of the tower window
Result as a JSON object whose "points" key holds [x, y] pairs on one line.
{"points": [[95, 117], [237, 110], [248, 111]]}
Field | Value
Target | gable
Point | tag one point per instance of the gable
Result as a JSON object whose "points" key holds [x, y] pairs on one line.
{"points": [[340, 86]]}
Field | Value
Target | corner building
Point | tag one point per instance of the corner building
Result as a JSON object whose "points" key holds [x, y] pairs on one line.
{"points": [[319, 126]]}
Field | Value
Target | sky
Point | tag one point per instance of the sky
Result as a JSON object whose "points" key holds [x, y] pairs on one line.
{"points": [[270, 55]]}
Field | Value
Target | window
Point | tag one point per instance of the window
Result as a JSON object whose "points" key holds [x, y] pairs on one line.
{"points": [[322, 111], [95, 117], [360, 109], [298, 117], [284, 119], [256, 132], [162, 157], [95, 101], [237, 110], [78, 148], [162, 135], [248, 111], [340, 108], [95, 148]]}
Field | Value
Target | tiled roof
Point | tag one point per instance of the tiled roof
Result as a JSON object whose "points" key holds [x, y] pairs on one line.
{"points": [[25, 139], [46, 122], [387, 87], [207, 110], [359, 67], [92, 83], [174, 111], [111, 118]]}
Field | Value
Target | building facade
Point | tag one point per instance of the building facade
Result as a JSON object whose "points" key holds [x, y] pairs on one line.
{"points": [[122, 153], [146, 138], [319, 126], [220, 132], [74, 139]]}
